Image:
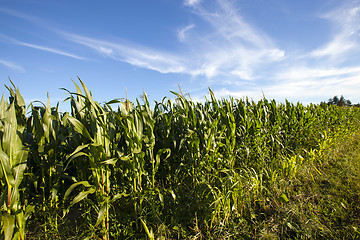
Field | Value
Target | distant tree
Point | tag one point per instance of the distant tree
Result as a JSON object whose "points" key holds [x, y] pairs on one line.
{"points": [[339, 102]]}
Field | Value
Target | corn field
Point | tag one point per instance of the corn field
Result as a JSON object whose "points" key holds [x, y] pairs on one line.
{"points": [[123, 170]]}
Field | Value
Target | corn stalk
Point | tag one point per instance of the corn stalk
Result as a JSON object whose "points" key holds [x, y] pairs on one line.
{"points": [[13, 157]]}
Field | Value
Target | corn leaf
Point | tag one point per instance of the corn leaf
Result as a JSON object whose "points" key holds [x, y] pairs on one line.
{"points": [[9, 225], [71, 188], [79, 127], [81, 196]]}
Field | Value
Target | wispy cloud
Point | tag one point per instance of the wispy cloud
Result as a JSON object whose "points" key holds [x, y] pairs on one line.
{"points": [[230, 26], [230, 46], [21, 15], [133, 54], [321, 72], [225, 49], [40, 23], [347, 29], [51, 50], [232, 52], [12, 65], [316, 89], [42, 48], [302, 73], [314, 81], [304, 90], [318, 74], [191, 2], [181, 33]]}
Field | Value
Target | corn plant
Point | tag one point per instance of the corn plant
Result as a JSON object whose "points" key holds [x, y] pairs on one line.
{"points": [[92, 123], [13, 157], [46, 160]]}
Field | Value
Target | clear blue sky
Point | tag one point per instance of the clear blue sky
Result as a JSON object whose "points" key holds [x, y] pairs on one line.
{"points": [[307, 51]]}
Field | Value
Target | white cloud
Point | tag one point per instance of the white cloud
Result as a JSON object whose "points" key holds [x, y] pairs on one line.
{"points": [[182, 32], [303, 73], [335, 48], [232, 47], [316, 89], [21, 15], [309, 90], [191, 2], [229, 47], [347, 29], [42, 48], [229, 26], [133, 54], [320, 73], [12, 65], [227, 50], [52, 50], [107, 51], [316, 83], [238, 94]]}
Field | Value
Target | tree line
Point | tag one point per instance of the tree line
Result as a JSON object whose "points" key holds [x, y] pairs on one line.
{"points": [[341, 102]]}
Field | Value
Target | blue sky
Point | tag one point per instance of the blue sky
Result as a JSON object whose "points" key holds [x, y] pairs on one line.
{"points": [[305, 51]]}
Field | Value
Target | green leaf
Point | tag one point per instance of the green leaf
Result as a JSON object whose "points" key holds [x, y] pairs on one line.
{"points": [[101, 213], [9, 225], [150, 233], [284, 198], [76, 153], [172, 194], [158, 155], [81, 196], [28, 211], [118, 196], [117, 100], [10, 140], [3, 107], [5, 162], [111, 161], [73, 156], [161, 198], [18, 170], [79, 127], [20, 222], [71, 188], [8, 175]]}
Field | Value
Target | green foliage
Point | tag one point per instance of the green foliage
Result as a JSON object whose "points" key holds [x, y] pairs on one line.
{"points": [[13, 157], [218, 169], [339, 102]]}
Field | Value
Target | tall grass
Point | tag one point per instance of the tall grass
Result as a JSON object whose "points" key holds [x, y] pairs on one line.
{"points": [[179, 170]]}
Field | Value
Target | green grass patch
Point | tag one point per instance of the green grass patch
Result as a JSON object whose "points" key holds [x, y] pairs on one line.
{"points": [[320, 202]]}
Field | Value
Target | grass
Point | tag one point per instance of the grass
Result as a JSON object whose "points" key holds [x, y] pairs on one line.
{"points": [[322, 200], [330, 198]]}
